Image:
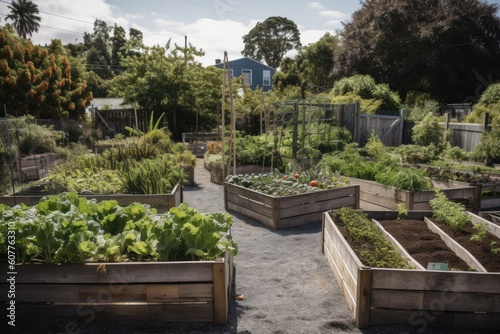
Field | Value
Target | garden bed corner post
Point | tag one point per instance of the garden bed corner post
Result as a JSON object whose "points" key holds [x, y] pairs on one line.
{"points": [[222, 288], [363, 297]]}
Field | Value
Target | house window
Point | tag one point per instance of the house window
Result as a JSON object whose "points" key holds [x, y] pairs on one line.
{"points": [[266, 78], [247, 75]]}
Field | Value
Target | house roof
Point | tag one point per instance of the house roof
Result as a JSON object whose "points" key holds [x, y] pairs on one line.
{"points": [[243, 58]]}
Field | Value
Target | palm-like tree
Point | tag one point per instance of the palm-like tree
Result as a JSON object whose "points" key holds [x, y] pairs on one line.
{"points": [[24, 14]]}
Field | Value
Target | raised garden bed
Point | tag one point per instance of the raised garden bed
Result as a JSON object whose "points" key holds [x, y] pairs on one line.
{"points": [[161, 202], [35, 167], [166, 291], [217, 177], [425, 242], [387, 197], [420, 298], [189, 175], [280, 212]]}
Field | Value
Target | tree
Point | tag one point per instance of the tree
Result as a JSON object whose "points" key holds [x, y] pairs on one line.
{"points": [[118, 43], [315, 61], [271, 40], [38, 82], [169, 80], [440, 47], [24, 13]]}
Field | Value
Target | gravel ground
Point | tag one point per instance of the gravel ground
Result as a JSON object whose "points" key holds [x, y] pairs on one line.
{"points": [[286, 284]]}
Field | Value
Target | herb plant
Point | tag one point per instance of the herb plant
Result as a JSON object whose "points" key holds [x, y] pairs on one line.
{"points": [[448, 212]]}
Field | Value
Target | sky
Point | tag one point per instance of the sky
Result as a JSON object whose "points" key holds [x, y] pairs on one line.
{"points": [[215, 26]]}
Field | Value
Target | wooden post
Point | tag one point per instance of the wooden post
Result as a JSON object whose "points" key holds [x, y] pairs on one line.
{"points": [[363, 296], [221, 291], [486, 118]]}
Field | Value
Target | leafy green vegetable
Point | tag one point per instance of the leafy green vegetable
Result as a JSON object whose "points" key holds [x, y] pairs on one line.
{"points": [[67, 228]]}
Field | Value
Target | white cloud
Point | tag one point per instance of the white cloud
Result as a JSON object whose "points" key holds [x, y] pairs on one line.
{"points": [[315, 6]]}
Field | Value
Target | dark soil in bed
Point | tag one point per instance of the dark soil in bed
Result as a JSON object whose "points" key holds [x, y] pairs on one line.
{"points": [[422, 244], [481, 251]]}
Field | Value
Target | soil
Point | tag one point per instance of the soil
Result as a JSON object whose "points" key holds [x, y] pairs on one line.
{"points": [[283, 285], [422, 244], [481, 251]]}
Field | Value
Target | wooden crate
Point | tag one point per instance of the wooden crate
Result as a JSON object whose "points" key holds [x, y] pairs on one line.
{"points": [[161, 202], [198, 149], [387, 197], [280, 212], [167, 291], [419, 298]]}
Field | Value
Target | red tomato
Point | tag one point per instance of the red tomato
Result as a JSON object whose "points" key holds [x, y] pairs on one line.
{"points": [[314, 183], [285, 177], [296, 175]]}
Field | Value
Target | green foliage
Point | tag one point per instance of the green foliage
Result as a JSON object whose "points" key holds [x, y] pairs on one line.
{"points": [[392, 40], [428, 132], [32, 138], [481, 232], [416, 154], [271, 39], [367, 240], [420, 109], [489, 102], [450, 213], [148, 176], [68, 229], [374, 97], [375, 148], [456, 153]]}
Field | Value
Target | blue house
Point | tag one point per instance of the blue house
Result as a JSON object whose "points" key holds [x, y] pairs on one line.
{"points": [[256, 74]]}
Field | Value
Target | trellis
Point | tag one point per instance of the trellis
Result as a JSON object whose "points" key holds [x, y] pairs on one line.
{"points": [[312, 121]]}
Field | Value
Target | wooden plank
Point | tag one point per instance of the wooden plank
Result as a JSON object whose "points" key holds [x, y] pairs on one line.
{"points": [[221, 298], [418, 320], [492, 228], [252, 214], [345, 250], [317, 196], [317, 207], [397, 299], [456, 247], [80, 293], [252, 205], [391, 215], [346, 278], [398, 279], [127, 311], [162, 293], [435, 300], [336, 268], [456, 281], [122, 272], [234, 190], [363, 294]]}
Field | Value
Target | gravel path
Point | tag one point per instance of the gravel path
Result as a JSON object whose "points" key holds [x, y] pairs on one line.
{"points": [[287, 285]]}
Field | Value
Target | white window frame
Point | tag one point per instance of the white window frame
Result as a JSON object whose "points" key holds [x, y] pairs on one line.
{"points": [[251, 75], [266, 78]]}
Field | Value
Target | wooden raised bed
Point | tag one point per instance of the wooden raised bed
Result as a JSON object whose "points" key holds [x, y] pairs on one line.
{"points": [[387, 197], [161, 202], [217, 177], [35, 167], [419, 298], [189, 175], [288, 211], [166, 291]]}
